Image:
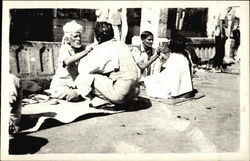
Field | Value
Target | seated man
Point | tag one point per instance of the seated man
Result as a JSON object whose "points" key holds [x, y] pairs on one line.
{"points": [[146, 57], [175, 80], [144, 54], [15, 98], [109, 70], [71, 51]]}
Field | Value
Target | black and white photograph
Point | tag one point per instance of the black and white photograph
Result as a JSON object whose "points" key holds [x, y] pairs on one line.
{"points": [[125, 80]]}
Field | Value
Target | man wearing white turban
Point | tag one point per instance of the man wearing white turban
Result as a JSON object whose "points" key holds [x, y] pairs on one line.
{"points": [[71, 51]]}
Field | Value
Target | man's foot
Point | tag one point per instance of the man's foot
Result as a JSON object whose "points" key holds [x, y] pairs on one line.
{"points": [[217, 70], [142, 85], [73, 96], [229, 61], [97, 102], [236, 59]]}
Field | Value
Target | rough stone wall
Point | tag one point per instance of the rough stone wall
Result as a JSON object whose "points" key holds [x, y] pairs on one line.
{"points": [[35, 60]]}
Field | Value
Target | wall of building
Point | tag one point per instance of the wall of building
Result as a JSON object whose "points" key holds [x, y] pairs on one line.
{"points": [[46, 24]]}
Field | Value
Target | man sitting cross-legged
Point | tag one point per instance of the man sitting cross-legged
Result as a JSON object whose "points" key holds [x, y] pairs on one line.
{"points": [[109, 70], [71, 51]]}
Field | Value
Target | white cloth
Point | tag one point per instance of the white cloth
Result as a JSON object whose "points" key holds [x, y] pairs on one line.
{"points": [[72, 26], [65, 75], [174, 80]]}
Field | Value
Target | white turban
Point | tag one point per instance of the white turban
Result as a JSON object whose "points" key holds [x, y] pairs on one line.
{"points": [[69, 28], [72, 26]]}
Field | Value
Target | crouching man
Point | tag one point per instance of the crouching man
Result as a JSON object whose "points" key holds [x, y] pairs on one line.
{"points": [[109, 71]]}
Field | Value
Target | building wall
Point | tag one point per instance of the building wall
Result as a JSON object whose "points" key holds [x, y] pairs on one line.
{"points": [[30, 24], [46, 24]]}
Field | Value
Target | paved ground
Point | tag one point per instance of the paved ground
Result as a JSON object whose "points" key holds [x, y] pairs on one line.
{"points": [[209, 124]]}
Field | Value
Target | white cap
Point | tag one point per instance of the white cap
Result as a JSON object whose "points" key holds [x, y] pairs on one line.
{"points": [[72, 26]]}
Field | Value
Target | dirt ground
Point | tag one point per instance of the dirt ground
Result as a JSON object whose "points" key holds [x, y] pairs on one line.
{"points": [[209, 124]]}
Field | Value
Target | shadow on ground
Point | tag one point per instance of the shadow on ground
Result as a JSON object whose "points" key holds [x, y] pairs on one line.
{"points": [[24, 144], [29, 121], [140, 103]]}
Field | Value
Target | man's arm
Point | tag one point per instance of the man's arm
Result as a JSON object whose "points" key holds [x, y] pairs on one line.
{"points": [[77, 56], [144, 65]]}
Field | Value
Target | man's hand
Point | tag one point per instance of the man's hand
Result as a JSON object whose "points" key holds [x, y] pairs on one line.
{"points": [[91, 46], [159, 50], [71, 95], [163, 50], [164, 57]]}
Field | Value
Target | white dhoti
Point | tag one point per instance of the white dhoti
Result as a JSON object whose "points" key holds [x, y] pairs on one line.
{"points": [[173, 81]]}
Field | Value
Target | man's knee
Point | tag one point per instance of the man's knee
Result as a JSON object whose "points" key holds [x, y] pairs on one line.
{"points": [[84, 83], [118, 99], [123, 97]]}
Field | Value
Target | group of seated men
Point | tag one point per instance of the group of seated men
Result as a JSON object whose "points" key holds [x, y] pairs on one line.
{"points": [[114, 72]]}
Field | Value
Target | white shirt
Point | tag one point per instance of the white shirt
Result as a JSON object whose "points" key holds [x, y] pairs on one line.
{"points": [[140, 55], [65, 75], [66, 71], [98, 60], [111, 57]]}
